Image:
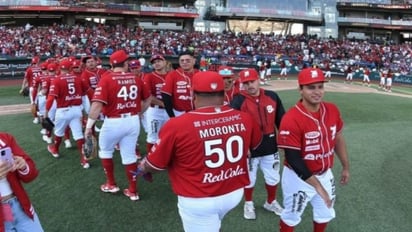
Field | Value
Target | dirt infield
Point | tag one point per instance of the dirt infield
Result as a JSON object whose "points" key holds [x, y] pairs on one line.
{"points": [[273, 85]]}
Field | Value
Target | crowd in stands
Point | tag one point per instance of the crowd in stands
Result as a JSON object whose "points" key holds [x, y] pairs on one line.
{"points": [[63, 40]]}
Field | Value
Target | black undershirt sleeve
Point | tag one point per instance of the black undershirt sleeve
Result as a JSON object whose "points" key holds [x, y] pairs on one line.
{"points": [[296, 162], [167, 101]]}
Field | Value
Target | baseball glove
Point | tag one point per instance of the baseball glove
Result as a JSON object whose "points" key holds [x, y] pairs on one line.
{"points": [[25, 92], [47, 124], [90, 147]]}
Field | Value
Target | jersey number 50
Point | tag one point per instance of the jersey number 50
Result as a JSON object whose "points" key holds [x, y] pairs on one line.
{"points": [[223, 151]]}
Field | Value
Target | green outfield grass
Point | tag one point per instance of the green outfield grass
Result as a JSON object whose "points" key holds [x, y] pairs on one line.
{"points": [[377, 199], [10, 95]]}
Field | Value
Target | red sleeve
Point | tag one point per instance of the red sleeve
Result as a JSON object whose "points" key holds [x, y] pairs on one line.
{"points": [[49, 102], [18, 151], [169, 82]]}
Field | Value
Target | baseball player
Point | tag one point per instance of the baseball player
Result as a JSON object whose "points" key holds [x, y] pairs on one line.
{"points": [[67, 90], [176, 93], [382, 83], [349, 74], [389, 76], [91, 74], [267, 109], [18, 213], [283, 70], [206, 161], [156, 115], [228, 76], [310, 134], [31, 73], [45, 84], [366, 73], [327, 71], [119, 95]]}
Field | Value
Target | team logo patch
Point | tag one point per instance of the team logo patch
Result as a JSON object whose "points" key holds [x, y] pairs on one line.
{"points": [[270, 109], [213, 86], [312, 134]]}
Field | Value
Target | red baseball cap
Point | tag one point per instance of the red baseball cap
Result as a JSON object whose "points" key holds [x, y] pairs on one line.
{"points": [[134, 64], [310, 75], [207, 82], [43, 65], [76, 64], [35, 60], [156, 57], [118, 57], [225, 71], [65, 64], [249, 74], [52, 67]]}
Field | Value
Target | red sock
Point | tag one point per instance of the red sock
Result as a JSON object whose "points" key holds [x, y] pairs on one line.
{"points": [[108, 168], [57, 142], [284, 227], [271, 192], [130, 168], [249, 194], [319, 227], [80, 143], [67, 133], [149, 147]]}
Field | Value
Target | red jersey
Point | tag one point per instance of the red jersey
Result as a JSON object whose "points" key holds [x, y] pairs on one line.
{"points": [[209, 157], [154, 82], [230, 94], [314, 135], [92, 77], [121, 93], [68, 90], [31, 73], [178, 85], [15, 178], [366, 72], [46, 82]]}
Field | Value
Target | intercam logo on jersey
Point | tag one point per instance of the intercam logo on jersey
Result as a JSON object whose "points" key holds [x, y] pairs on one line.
{"points": [[312, 134]]}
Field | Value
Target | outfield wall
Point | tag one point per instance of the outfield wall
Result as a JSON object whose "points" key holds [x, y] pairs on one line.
{"points": [[14, 69]]}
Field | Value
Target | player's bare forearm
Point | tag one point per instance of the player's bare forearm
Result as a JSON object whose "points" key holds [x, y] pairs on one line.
{"points": [[95, 110], [320, 190], [156, 101], [341, 152], [146, 104]]}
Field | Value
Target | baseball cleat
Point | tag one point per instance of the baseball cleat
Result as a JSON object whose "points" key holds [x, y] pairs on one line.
{"points": [[67, 143], [108, 188], [43, 131], [53, 151], [273, 207], [47, 139], [36, 120], [130, 195], [249, 211]]}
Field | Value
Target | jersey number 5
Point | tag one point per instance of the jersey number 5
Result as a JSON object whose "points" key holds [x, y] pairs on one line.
{"points": [[128, 92], [218, 153]]}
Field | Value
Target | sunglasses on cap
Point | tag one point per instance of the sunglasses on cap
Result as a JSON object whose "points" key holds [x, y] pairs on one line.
{"points": [[225, 72]]}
